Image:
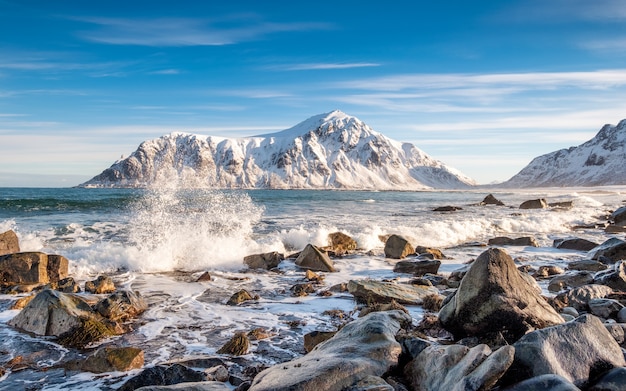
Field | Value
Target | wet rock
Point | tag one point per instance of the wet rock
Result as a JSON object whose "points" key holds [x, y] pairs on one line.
{"points": [[615, 278], [447, 208], [371, 383], [340, 243], [376, 307], [621, 316], [491, 200], [611, 251], [433, 302], [362, 348], [605, 308], [102, 284], [579, 297], [614, 229], [204, 277], [240, 297], [122, 306], [217, 373], [543, 383], [617, 331], [619, 216], [587, 265], [313, 258], [369, 291], [561, 205], [301, 290], [265, 261], [570, 280], [313, 277], [613, 380], [417, 268], [548, 271], [68, 285], [24, 268], [162, 375], [238, 345], [577, 244], [397, 247], [57, 268], [506, 241], [9, 243], [22, 302], [110, 359], [494, 296], [458, 368], [314, 338], [534, 204], [434, 252], [579, 350], [63, 315]]}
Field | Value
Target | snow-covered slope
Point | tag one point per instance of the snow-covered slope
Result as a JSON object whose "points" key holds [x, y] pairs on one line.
{"points": [[328, 151], [598, 162]]}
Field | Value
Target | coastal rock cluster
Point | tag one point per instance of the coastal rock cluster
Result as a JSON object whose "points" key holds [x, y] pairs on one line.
{"points": [[494, 324]]}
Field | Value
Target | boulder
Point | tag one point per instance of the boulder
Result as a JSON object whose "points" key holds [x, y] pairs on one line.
{"points": [[619, 216], [494, 296], [605, 308], [458, 368], [579, 297], [371, 383], [577, 244], [68, 285], [240, 297], [543, 383], [189, 386], [122, 306], [111, 359], [63, 315], [237, 346], [340, 243], [435, 253], [417, 268], [102, 284], [570, 280], [364, 347], [579, 350], [615, 278], [548, 271], [58, 267], [397, 247], [491, 200], [611, 251], [162, 375], [561, 205], [24, 268], [534, 204], [370, 291], [313, 258], [506, 241], [9, 243], [314, 338], [205, 277], [613, 380], [587, 264], [265, 261]]}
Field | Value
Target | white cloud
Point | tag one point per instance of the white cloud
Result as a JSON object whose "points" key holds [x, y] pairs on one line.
{"points": [[166, 72], [325, 66], [185, 31]]}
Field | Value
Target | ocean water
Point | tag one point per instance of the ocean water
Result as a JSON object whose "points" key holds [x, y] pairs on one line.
{"points": [[159, 241]]}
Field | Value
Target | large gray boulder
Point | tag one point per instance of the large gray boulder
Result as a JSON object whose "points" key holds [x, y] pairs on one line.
{"points": [[458, 368], [362, 348], [613, 380], [418, 267], [579, 350], [577, 244], [619, 216], [398, 247], [9, 243], [611, 251], [265, 261], [543, 383], [540, 203], [579, 297], [32, 268], [370, 291], [494, 296], [313, 258], [122, 306], [615, 278]]}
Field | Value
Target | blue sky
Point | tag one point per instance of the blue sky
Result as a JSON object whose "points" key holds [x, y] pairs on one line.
{"points": [[484, 86]]}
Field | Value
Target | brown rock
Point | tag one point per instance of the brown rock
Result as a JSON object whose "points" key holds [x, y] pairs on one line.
{"points": [[240, 297], [491, 200], [370, 292], [24, 268], [494, 296], [102, 284], [577, 244], [237, 346], [122, 306], [417, 268], [341, 243], [447, 208], [68, 285], [314, 338], [9, 243], [112, 359], [398, 247], [435, 252], [534, 204], [313, 258], [265, 261], [204, 277], [22, 302], [506, 241], [58, 267]]}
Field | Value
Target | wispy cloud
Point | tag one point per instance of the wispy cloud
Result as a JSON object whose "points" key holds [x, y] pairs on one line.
{"points": [[324, 66], [166, 72], [565, 10], [186, 31]]}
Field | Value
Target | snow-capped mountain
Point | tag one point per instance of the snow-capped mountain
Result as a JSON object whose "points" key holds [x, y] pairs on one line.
{"points": [[597, 162], [328, 151]]}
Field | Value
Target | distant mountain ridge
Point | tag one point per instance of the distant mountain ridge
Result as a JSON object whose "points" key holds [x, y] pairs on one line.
{"points": [[597, 162], [327, 151]]}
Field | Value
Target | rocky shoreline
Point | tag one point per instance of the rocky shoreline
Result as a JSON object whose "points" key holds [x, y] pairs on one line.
{"points": [[487, 326]]}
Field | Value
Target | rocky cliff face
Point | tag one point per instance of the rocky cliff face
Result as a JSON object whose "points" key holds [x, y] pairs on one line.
{"points": [[328, 151], [597, 162]]}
